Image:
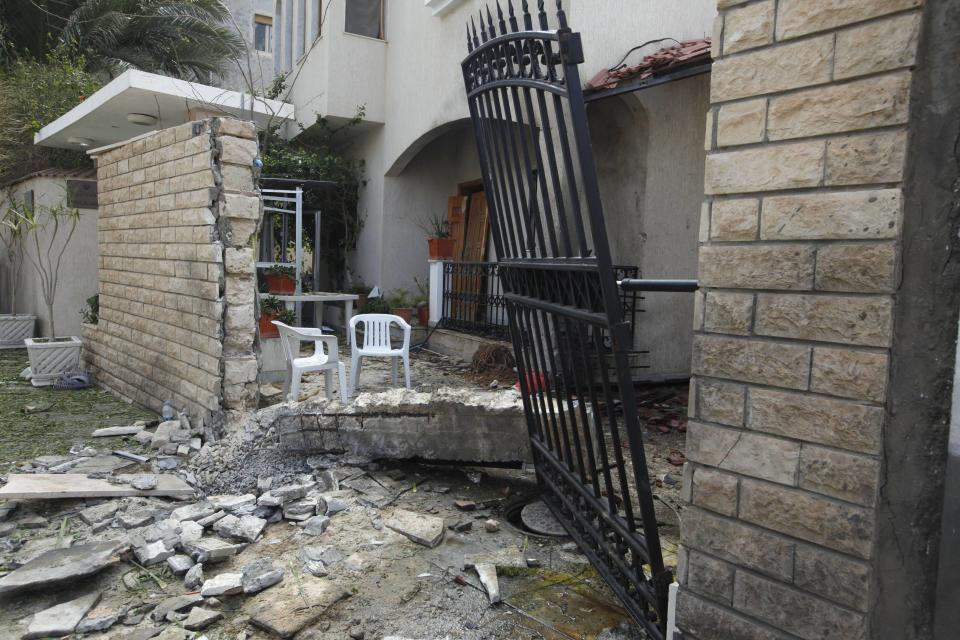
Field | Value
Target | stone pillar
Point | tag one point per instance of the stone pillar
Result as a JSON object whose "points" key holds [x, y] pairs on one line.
{"points": [[800, 237]]}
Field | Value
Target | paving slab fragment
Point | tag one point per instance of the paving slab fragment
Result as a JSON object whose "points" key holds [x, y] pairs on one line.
{"points": [[293, 605], [422, 529], [231, 502], [62, 565], [201, 618], [225, 584], [62, 619], [109, 432], [176, 603], [99, 619], [196, 511], [246, 528], [99, 513], [212, 549], [49, 486], [260, 574]]}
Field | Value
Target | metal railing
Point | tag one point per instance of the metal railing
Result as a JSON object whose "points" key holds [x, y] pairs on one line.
{"points": [[473, 299]]}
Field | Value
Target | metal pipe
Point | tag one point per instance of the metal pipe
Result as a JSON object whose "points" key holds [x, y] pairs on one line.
{"points": [[642, 284]]}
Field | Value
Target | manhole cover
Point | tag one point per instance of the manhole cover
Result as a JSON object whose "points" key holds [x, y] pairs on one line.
{"points": [[537, 517]]}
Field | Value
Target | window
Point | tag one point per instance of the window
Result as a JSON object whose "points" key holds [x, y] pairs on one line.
{"points": [[262, 33], [365, 18]]}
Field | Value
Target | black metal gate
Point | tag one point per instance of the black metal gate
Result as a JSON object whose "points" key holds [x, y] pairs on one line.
{"points": [[566, 320]]}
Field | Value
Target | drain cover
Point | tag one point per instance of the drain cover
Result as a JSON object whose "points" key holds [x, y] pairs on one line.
{"points": [[538, 518]]}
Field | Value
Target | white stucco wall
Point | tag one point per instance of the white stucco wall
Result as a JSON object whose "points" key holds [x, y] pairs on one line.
{"points": [[78, 271]]}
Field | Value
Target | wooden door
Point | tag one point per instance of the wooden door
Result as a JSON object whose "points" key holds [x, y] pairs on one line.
{"points": [[457, 221]]}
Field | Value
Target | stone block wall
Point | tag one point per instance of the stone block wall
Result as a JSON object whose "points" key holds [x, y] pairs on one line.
{"points": [[177, 211], [800, 236]]}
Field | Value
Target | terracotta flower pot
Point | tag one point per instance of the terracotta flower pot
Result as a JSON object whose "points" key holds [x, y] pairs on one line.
{"points": [[267, 328], [440, 248], [281, 284], [404, 312], [361, 302], [423, 315]]}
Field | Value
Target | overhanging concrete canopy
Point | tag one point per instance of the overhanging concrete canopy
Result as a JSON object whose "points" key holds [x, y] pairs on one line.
{"points": [[157, 102]]}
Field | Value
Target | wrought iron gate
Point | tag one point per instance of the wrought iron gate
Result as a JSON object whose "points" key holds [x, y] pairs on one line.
{"points": [[566, 322]]}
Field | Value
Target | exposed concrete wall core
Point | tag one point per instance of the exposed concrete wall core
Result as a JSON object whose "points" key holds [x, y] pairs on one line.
{"points": [[805, 460], [177, 211], [447, 424]]}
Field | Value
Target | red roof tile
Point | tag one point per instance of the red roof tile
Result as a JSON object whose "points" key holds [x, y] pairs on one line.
{"points": [[662, 61]]}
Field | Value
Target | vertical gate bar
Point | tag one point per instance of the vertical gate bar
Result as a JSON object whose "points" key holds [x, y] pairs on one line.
{"points": [[497, 166], [534, 385], [541, 176], [523, 367], [516, 199], [573, 423], [554, 174], [485, 169], [571, 176], [556, 406]]}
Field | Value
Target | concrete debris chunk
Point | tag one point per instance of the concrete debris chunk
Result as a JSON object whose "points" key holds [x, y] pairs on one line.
{"points": [[59, 566], [133, 519], [153, 553], [231, 503], [422, 529], [179, 564], [99, 619], [300, 510], [290, 492], [6, 528], [190, 531], [163, 433], [488, 578], [32, 522], [201, 618], [209, 520], [492, 526], [316, 568], [316, 525], [225, 584], [194, 577], [246, 528], [111, 432], [195, 511], [212, 549], [325, 553], [176, 603], [62, 619], [260, 574], [144, 482], [293, 605], [99, 513]]}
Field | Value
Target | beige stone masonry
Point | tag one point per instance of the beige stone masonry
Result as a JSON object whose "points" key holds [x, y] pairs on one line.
{"points": [[171, 282], [799, 255]]}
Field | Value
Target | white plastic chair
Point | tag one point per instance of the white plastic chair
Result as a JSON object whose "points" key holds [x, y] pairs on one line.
{"points": [[376, 343], [321, 360]]}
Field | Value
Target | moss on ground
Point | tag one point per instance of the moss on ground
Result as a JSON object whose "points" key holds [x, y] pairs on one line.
{"points": [[71, 418]]}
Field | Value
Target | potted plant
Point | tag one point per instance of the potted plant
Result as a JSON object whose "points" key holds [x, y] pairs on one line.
{"points": [[422, 303], [400, 305], [439, 242], [271, 309], [377, 305], [53, 355], [280, 279], [362, 291], [14, 327]]}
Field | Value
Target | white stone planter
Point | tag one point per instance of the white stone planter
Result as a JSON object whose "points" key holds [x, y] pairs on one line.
{"points": [[48, 359], [15, 329]]}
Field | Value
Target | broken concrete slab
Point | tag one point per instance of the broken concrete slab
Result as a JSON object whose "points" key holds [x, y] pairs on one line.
{"points": [[195, 511], [225, 584], [212, 549], [194, 577], [488, 578], [232, 503], [153, 553], [200, 619], [62, 619], [99, 513], [293, 605], [144, 481], [507, 558], [176, 603], [422, 529], [246, 528], [179, 564], [99, 619], [101, 464], [63, 565], [316, 525], [111, 432], [260, 574], [46, 486]]}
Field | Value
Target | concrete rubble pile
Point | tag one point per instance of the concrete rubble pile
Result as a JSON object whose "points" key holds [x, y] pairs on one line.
{"points": [[302, 544]]}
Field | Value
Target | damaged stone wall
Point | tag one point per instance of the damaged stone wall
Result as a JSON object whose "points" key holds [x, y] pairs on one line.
{"points": [[800, 236], [177, 210]]}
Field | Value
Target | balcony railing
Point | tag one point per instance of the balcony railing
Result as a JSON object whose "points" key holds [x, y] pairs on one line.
{"points": [[470, 298]]}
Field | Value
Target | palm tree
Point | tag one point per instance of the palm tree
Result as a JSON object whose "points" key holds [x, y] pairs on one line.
{"points": [[188, 39]]}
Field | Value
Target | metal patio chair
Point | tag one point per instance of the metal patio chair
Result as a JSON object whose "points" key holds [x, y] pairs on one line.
{"points": [[376, 343], [325, 360]]}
